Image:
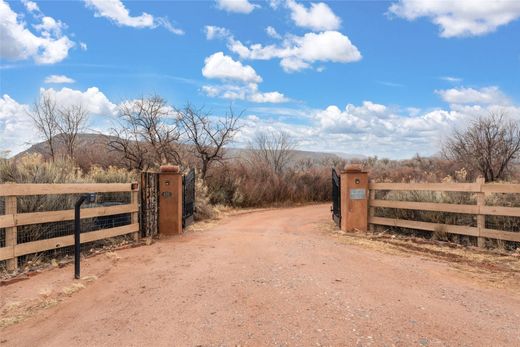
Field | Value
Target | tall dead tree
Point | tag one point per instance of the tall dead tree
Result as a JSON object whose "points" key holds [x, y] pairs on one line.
{"points": [[207, 136], [71, 122], [274, 149], [488, 146], [44, 114], [147, 135]]}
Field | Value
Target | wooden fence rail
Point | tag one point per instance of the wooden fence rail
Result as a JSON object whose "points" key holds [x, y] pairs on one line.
{"points": [[480, 210], [11, 220]]}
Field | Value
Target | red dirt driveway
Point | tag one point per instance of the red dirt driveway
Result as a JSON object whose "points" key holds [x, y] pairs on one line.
{"points": [[266, 278]]}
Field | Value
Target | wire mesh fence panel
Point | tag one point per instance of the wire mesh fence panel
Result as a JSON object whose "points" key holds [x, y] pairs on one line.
{"points": [[44, 224]]}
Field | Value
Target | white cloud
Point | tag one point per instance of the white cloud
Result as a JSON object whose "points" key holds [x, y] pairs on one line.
{"points": [[16, 127], [248, 92], [299, 52], [116, 11], [166, 24], [272, 32], [318, 17], [458, 18], [215, 32], [48, 46], [370, 128], [241, 81], [58, 79], [451, 79], [94, 101], [83, 46], [31, 6], [237, 6], [223, 67], [483, 96]]}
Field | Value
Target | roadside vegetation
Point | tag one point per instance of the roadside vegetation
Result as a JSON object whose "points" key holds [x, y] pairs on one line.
{"points": [[269, 172]]}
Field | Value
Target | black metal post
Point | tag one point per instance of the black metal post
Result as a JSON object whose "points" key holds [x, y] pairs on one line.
{"points": [[77, 231]]}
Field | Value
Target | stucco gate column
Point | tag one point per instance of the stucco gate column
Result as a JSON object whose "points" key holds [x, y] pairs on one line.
{"points": [[354, 199], [170, 200]]}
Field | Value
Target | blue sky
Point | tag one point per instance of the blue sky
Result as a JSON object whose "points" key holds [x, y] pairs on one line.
{"points": [[375, 78]]}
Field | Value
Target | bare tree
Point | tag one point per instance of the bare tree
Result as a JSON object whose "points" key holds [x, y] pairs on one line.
{"points": [[488, 146], [44, 114], [275, 149], [207, 136], [148, 133], [71, 122]]}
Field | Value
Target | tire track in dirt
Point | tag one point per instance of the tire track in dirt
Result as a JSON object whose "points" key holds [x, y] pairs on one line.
{"points": [[272, 277]]}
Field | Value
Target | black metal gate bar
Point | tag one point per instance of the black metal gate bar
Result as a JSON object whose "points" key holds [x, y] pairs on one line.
{"points": [[188, 200], [336, 197]]}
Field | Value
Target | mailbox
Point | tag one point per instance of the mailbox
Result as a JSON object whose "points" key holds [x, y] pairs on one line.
{"points": [[354, 199], [170, 200]]}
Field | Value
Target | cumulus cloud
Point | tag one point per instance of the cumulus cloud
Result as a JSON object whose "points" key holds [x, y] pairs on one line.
{"points": [[248, 92], [221, 66], [318, 17], [300, 52], [116, 11], [370, 128], [47, 45], [16, 127], [215, 32], [482, 96], [92, 99], [236, 6], [240, 81], [58, 79], [457, 18]]}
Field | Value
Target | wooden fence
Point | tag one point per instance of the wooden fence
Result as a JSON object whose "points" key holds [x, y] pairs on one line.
{"points": [[480, 210], [11, 220]]}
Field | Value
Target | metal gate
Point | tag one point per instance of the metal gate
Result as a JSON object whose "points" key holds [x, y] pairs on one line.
{"points": [[188, 200], [336, 197]]}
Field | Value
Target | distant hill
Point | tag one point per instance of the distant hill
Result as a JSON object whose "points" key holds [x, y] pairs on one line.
{"points": [[93, 150]]}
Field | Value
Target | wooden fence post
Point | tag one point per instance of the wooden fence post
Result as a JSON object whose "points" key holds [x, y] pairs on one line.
{"points": [[11, 207], [481, 218], [371, 209], [134, 200]]}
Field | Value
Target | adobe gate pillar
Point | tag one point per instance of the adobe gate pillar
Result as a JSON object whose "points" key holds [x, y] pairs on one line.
{"points": [[354, 202], [170, 200]]}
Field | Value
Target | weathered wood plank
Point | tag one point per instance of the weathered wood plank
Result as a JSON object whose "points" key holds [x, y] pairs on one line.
{"points": [[64, 241], [500, 211], [64, 215], [500, 234], [425, 206], [501, 188], [24, 189], [441, 187], [453, 229]]}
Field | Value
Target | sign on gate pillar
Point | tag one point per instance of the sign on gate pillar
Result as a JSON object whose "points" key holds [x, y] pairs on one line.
{"points": [[170, 200], [354, 199]]}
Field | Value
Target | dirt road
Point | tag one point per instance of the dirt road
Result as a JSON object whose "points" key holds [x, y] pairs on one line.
{"points": [[264, 278]]}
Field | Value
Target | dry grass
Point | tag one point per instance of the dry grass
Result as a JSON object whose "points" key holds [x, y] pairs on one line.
{"points": [[494, 268], [75, 287]]}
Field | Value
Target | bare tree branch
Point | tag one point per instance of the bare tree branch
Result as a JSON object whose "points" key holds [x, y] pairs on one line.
{"points": [[207, 137], [488, 146]]}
